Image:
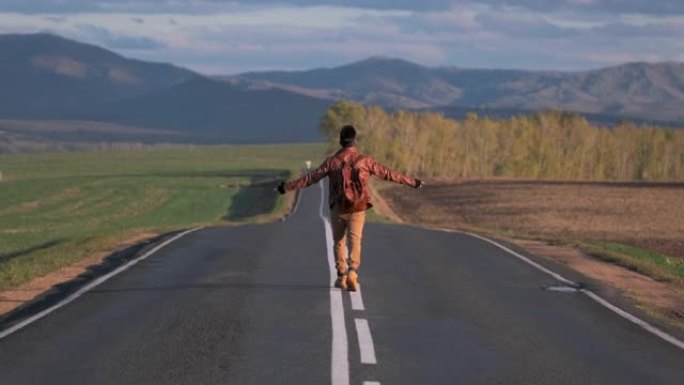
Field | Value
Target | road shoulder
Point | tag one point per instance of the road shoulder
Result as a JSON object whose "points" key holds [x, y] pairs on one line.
{"points": [[17, 297], [663, 302]]}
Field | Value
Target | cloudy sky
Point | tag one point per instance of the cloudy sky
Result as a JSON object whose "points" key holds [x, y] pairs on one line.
{"points": [[226, 37]]}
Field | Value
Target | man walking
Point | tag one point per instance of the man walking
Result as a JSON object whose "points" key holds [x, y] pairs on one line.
{"points": [[349, 199]]}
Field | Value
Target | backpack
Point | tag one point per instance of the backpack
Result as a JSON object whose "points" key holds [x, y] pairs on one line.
{"points": [[352, 199]]}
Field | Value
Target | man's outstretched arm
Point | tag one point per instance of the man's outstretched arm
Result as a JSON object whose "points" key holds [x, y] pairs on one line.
{"points": [[305, 181], [388, 174]]}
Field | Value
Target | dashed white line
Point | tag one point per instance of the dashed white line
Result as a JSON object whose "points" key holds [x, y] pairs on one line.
{"points": [[630, 317], [356, 299], [365, 342], [91, 285], [339, 367]]}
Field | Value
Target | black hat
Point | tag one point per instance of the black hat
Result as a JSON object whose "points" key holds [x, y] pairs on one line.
{"points": [[347, 136]]}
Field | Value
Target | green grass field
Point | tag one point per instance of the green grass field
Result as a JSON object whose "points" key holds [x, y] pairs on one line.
{"points": [[56, 209], [648, 262]]}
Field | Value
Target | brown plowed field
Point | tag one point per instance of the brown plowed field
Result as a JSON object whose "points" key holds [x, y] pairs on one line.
{"points": [[645, 215]]}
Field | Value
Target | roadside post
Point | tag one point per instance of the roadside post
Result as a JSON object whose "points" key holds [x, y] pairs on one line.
{"points": [[308, 165]]}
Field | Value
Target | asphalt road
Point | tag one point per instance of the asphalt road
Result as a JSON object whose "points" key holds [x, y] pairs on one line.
{"points": [[253, 305]]}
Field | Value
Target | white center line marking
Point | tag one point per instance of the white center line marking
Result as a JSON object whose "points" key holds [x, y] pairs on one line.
{"points": [[357, 299], [365, 342], [339, 368], [91, 285]]}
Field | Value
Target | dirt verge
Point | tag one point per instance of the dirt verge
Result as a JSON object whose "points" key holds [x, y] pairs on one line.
{"points": [[24, 294], [661, 298]]}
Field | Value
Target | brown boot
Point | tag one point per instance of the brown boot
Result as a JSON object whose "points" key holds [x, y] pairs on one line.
{"points": [[352, 280], [341, 282]]}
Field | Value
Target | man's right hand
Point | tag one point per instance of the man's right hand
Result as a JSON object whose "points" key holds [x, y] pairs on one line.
{"points": [[281, 188]]}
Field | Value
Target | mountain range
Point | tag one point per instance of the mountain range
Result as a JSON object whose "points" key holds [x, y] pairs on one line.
{"points": [[47, 78], [643, 91]]}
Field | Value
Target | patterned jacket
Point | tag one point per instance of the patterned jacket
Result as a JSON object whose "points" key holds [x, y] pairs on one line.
{"points": [[366, 165]]}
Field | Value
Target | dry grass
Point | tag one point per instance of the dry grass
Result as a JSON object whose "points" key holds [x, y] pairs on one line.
{"points": [[649, 216]]}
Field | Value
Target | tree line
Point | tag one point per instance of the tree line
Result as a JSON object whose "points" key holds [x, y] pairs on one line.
{"points": [[544, 145]]}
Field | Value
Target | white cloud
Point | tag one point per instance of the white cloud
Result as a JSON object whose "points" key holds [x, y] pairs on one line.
{"points": [[488, 33]]}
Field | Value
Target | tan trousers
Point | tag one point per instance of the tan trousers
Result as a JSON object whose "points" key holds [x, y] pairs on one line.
{"points": [[347, 226]]}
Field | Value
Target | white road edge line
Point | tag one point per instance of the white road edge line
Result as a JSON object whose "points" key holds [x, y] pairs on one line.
{"points": [[365, 341], [371, 383], [628, 316], [296, 204], [91, 285], [645, 325], [357, 299], [525, 259], [339, 363]]}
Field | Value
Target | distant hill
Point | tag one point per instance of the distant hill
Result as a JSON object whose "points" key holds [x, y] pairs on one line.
{"points": [[219, 111], [44, 75], [48, 78], [635, 90], [65, 91]]}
